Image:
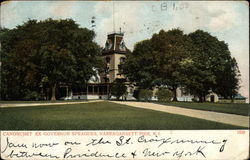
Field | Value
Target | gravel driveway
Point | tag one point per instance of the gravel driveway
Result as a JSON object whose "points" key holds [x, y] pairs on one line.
{"points": [[232, 119]]}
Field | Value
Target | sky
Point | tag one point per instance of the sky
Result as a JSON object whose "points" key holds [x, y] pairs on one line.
{"points": [[139, 20]]}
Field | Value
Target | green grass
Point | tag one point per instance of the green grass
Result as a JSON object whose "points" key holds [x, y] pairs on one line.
{"points": [[233, 108], [98, 116], [44, 101]]}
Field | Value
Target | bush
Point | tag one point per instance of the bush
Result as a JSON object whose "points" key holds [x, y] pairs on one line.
{"points": [[194, 99], [118, 89], [164, 95], [145, 94], [32, 96]]}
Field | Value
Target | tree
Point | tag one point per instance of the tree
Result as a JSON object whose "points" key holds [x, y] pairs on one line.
{"points": [[118, 89], [214, 69], [140, 65], [198, 61], [19, 74], [5, 38], [47, 54], [230, 78], [173, 50], [160, 61]]}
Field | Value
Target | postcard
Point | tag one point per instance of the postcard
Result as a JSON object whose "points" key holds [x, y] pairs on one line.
{"points": [[124, 80]]}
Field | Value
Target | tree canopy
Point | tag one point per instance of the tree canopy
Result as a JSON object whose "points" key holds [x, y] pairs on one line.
{"points": [[139, 65], [161, 60], [174, 57], [214, 68], [118, 89], [40, 56], [197, 61]]}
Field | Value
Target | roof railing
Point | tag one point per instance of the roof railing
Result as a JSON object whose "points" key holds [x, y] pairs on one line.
{"points": [[114, 32]]}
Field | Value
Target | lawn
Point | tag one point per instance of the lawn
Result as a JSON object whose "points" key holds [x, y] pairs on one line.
{"points": [[98, 116], [233, 108], [42, 101]]}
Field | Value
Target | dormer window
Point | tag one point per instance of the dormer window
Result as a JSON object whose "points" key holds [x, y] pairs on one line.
{"points": [[122, 46], [108, 45]]}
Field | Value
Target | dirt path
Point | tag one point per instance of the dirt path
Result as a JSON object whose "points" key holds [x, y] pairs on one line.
{"points": [[44, 104], [233, 119]]}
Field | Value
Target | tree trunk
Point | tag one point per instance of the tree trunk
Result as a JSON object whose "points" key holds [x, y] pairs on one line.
{"points": [[47, 93], [204, 98], [200, 98], [232, 99], [175, 94], [53, 93]]}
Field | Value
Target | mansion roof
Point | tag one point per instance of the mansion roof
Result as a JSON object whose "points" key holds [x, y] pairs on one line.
{"points": [[115, 44]]}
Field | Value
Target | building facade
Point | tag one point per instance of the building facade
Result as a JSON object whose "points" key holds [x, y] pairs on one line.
{"points": [[114, 55]]}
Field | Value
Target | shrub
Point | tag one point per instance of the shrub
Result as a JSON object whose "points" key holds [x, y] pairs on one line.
{"points": [[194, 99], [145, 94], [164, 95], [32, 95]]}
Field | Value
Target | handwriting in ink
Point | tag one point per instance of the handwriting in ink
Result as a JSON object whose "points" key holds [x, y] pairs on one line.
{"points": [[11, 145], [96, 154], [223, 145], [15, 150], [98, 141], [134, 154], [162, 141], [183, 153], [122, 141], [148, 153], [35, 145], [22, 154], [71, 143]]}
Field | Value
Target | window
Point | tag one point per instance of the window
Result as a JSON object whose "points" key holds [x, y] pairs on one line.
{"points": [[122, 59], [122, 46]]}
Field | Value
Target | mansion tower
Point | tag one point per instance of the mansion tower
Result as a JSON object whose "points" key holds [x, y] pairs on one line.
{"points": [[114, 55]]}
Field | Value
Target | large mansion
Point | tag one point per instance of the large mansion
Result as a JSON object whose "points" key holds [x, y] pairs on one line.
{"points": [[114, 54]]}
